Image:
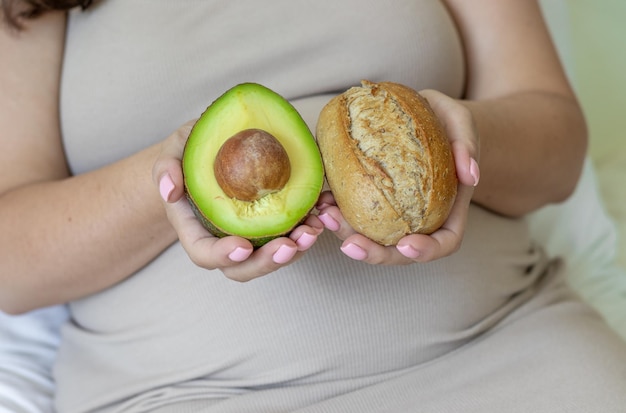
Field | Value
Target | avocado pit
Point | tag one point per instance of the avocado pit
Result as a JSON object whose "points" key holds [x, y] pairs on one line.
{"points": [[251, 164]]}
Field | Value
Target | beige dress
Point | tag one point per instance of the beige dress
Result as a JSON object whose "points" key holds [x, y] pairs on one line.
{"points": [[489, 329]]}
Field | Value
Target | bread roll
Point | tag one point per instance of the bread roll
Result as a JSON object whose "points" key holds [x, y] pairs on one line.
{"points": [[388, 161]]}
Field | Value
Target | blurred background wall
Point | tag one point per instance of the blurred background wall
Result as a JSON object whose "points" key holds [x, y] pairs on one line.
{"points": [[591, 38]]}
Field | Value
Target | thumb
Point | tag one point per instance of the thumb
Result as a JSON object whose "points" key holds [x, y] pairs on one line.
{"points": [[167, 171]]}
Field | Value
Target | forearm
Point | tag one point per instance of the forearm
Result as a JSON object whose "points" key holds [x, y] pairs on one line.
{"points": [[532, 134], [532, 150], [66, 239]]}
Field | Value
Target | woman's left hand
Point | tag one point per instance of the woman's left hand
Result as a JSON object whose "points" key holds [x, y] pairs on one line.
{"points": [[459, 125]]}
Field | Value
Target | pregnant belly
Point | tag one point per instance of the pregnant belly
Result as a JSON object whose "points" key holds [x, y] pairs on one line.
{"points": [[323, 318]]}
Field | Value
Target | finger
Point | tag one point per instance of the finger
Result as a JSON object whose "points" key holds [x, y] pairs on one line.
{"points": [[329, 215], [306, 235], [361, 248], [204, 249], [325, 200], [234, 256], [265, 260], [458, 122], [167, 172], [444, 241], [467, 169], [333, 220]]}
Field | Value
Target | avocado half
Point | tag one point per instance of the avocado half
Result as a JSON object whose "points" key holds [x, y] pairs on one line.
{"points": [[251, 106]]}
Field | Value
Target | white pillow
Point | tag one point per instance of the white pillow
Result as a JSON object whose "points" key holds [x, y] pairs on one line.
{"points": [[581, 231], [28, 345], [611, 173]]}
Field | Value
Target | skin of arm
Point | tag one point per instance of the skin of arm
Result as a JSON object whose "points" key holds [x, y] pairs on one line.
{"points": [[533, 135], [63, 236]]}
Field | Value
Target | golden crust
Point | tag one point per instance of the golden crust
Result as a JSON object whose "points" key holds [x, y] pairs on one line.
{"points": [[388, 161]]}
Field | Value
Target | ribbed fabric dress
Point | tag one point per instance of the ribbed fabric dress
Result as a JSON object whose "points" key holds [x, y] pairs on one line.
{"points": [[490, 329]]}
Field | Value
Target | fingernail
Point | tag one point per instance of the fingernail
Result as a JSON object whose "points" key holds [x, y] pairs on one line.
{"points": [[329, 222], [284, 254], [474, 171], [305, 241], [239, 254], [322, 205], [354, 251], [408, 251], [166, 187]]}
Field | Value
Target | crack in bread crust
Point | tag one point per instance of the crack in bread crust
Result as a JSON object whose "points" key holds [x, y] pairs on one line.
{"points": [[389, 151]]}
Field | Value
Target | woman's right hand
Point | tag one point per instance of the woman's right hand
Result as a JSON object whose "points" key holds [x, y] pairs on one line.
{"points": [[234, 256]]}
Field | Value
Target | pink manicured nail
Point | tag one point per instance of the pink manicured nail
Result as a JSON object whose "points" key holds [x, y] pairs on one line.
{"points": [[329, 222], [354, 251], [166, 187], [408, 251], [284, 254], [305, 241], [239, 254], [474, 171]]}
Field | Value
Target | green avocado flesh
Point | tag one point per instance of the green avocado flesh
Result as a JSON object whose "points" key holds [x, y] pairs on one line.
{"points": [[252, 106]]}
